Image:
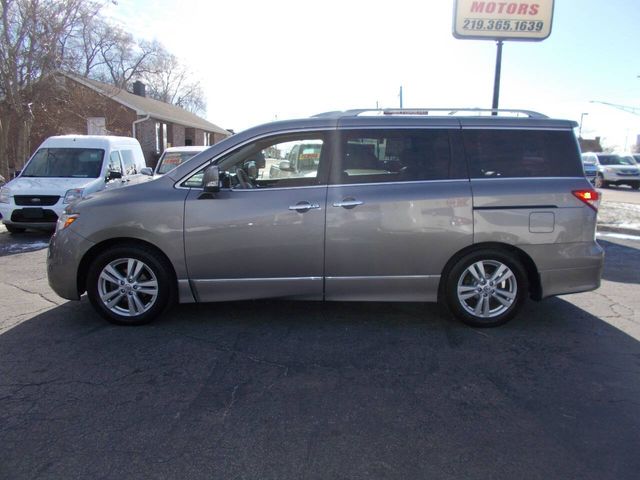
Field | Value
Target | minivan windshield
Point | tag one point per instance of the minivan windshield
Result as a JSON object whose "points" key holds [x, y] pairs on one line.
{"points": [[171, 160], [615, 160], [65, 163]]}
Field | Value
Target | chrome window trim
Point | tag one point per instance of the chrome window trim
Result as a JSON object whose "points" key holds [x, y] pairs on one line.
{"points": [[336, 185], [538, 128], [451, 180], [184, 178], [473, 179], [322, 185]]}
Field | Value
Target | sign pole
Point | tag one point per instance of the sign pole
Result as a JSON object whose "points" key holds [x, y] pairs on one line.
{"points": [[502, 21], [496, 80]]}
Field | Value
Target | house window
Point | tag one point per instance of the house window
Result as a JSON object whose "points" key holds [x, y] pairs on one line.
{"points": [[164, 137], [161, 137], [207, 139], [96, 126]]}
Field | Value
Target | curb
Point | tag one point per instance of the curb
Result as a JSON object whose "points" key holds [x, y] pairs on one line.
{"points": [[617, 229]]}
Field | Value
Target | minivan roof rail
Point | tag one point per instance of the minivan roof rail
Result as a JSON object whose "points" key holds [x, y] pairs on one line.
{"points": [[433, 112]]}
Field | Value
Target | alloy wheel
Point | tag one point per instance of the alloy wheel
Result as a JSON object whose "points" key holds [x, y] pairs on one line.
{"points": [[487, 289], [127, 287]]}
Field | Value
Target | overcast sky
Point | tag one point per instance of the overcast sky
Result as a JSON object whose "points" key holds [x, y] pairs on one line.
{"points": [[262, 60]]}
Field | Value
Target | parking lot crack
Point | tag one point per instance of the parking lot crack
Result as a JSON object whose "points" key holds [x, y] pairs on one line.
{"points": [[26, 290]]}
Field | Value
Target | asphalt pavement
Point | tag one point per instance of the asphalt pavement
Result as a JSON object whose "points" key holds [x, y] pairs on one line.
{"points": [[304, 390], [622, 194]]}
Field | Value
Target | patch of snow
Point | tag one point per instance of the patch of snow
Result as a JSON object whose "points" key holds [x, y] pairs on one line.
{"points": [[25, 247], [621, 236]]}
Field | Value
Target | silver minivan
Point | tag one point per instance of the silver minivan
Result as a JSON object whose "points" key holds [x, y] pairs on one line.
{"points": [[476, 211]]}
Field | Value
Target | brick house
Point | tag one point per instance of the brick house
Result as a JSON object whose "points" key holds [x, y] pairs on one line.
{"points": [[69, 104], [590, 145]]}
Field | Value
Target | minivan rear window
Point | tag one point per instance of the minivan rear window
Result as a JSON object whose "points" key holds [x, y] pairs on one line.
{"points": [[521, 153]]}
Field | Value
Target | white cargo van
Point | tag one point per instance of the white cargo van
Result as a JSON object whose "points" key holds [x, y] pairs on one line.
{"points": [[65, 169]]}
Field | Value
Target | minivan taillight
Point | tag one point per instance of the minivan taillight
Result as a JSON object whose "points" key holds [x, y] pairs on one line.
{"points": [[589, 197]]}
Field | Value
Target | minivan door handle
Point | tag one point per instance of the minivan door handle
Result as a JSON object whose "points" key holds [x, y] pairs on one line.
{"points": [[304, 207], [348, 203]]}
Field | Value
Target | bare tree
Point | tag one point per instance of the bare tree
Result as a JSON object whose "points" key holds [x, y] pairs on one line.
{"points": [[171, 82], [34, 38], [38, 37], [123, 58]]}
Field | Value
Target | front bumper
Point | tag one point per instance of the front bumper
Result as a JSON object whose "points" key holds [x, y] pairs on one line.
{"points": [[66, 250], [44, 217], [621, 178]]}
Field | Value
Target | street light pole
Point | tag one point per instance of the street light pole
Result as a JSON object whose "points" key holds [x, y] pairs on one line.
{"points": [[581, 119], [496, 79]]}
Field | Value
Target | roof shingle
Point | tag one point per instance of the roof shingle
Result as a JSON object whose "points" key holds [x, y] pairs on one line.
{"points": [[149, 106]]}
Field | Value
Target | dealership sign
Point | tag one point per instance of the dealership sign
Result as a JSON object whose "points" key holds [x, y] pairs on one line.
{"points": [[502, 20]]}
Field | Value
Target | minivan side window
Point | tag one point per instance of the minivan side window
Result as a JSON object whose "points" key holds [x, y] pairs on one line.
{"points": [[128, 162], [521, 153], [285, 161], [114, 162], [374, 156]]}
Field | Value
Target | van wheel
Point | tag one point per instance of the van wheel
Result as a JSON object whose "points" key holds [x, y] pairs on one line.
{"points": [[486, 288], [600, 183], [129, 285], [12, 229]]}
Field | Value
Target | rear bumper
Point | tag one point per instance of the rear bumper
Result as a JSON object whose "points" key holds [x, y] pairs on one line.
{"points": [[569, 280], [580, 269]]}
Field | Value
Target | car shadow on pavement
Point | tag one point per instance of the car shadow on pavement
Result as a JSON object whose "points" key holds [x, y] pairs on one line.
{"points": [[276, 389], [617, 261]]}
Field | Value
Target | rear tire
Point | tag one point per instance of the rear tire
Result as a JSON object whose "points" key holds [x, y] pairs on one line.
{"points": [[636, 186], [486, 288], [130, 285], [11, 229]]}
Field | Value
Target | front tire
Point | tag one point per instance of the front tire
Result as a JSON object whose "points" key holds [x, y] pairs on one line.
{"points": [[129, 285], [600, 183], [635, 185], [486, 288]]}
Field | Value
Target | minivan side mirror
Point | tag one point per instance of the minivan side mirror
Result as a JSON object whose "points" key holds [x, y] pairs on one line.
{"points": [[111, 175], [211, 180], [146, 171]]}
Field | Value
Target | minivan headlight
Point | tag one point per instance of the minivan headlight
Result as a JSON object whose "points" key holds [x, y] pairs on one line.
{"points": [[73, 195], [65, 220], [5, 193]]}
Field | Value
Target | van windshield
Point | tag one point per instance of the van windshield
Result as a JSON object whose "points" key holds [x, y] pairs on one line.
{"points": [[615, 160], [65, 163]]}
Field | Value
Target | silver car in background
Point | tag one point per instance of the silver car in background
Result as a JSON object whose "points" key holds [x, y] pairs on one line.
{"points": [[614, 169], [474, 210]]}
